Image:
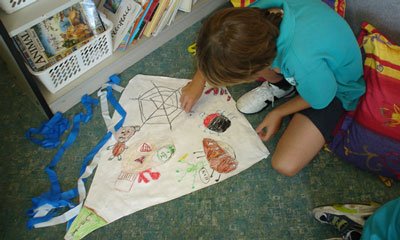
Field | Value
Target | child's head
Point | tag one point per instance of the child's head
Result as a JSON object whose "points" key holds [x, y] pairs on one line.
{"points": [[236, 43]]}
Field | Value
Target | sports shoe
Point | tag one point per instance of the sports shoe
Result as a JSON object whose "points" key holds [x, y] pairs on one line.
{"points": [[345, 217], [350, 235], [260, 97], [353, 235]]}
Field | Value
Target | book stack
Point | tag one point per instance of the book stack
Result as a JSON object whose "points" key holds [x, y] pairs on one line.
{"points": [[58, 36], [134, 19]]}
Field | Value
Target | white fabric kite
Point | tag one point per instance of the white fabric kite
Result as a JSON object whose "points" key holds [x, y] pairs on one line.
{"points": [[162, 152]]}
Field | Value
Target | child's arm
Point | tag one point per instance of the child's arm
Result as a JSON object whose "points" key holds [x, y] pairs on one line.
{"points": [[192, 91], [272, 122]]}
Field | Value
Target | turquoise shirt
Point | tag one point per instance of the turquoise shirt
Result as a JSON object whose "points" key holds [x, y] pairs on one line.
{"points": [[318, 53], [384, 224]]}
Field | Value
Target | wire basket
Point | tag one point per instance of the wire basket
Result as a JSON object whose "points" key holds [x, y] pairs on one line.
{"points": [[74, 65], [10, 6]]}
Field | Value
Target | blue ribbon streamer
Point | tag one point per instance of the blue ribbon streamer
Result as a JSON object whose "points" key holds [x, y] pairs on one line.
{"points": [[50, 132], [55, 197]]}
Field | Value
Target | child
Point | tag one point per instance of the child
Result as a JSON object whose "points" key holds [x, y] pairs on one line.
{"points": [[362, 221], [305, 45]]}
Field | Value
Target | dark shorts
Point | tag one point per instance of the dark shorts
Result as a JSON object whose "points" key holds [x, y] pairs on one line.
{"points": [[325, 119]]}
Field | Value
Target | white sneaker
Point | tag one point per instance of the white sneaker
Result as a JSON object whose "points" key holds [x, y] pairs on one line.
{"points": [[260, 97]]}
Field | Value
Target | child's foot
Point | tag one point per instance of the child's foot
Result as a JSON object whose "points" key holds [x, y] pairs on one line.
{"points": [[345, 217], [260, 97]]}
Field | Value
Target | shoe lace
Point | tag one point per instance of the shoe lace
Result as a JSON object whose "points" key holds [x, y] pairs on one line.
{"points": [[339, 223], [269, 93]]}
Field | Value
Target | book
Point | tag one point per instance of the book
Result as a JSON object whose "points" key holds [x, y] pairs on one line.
{"points": [[167, 16], [152, 10], [140, 21], [149, 16], [128, 38], [122, 13], [152, 24], [186, 5], [175, 11], [58, 36]]}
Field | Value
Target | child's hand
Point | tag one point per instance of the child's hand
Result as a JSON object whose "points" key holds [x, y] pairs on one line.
{"points": [[191, 94], [269, 126]]}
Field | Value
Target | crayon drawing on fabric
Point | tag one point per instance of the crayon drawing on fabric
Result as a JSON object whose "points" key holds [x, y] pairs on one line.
{"points": [[162, 153]]}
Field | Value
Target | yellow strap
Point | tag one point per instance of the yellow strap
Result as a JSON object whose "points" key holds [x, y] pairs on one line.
{"points": [[192, 49]]}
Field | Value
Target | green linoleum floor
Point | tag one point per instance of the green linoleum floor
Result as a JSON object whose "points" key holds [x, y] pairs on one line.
{"points": [[256, 204]]}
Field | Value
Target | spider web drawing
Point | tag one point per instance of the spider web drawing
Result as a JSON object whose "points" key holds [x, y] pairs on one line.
{"points": [[159, 105]]}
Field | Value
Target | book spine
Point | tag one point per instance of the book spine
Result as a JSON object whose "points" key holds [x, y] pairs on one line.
{"points": [[152, 25], [138, 25], [175, 11], [165, 17]]}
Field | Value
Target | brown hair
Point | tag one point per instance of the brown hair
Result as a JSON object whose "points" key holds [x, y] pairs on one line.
{"points": [[235, 43]]}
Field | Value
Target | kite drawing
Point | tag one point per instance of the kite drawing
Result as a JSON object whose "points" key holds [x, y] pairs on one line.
{"points": [[138, 163], [217, 122], [194, 169], [164, 153], [122, 136], [220, 156], [216, 91], [222, 159], [159, 105]]}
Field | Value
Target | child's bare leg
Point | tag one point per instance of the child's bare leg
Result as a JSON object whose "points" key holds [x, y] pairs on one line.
{"points": [[298, 145]]}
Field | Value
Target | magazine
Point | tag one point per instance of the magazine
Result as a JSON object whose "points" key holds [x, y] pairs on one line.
{"points": [[122, 13], [53, 39]]}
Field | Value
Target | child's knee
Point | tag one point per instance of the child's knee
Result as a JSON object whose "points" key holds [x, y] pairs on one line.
{"points": [[283, 167]]}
